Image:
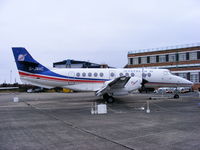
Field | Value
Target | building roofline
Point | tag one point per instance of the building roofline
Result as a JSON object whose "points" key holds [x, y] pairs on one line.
{"points": [[165, 48]]}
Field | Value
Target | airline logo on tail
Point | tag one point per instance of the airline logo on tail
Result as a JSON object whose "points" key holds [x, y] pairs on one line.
{"points": [[21, 57]]}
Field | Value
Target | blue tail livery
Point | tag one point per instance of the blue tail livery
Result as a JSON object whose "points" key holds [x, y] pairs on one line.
{"points": [[25, 61]]}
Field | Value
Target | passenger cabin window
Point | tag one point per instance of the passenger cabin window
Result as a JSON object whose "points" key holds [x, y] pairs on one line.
{"points": [[132, 74], [83, 74], [95, 74], [127, 74], [121, 74], [101, 74], [144, 75], [149, 74], [112, 74], [89, 74], [78, 74]]}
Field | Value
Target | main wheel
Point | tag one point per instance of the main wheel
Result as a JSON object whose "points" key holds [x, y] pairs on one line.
{"points": [[110, 99]]}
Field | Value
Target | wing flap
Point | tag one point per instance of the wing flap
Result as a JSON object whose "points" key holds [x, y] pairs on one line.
{"points": [[117, 83]]}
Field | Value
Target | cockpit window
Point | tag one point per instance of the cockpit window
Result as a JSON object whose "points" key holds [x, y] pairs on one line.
{"points": [[166, 72]]}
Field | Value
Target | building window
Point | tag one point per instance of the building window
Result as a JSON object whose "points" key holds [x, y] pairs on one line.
{"points": [[167, 58], [139, 60], [183, 75], [194, 77], [135, 61], [148, 59], [152, 59], [172, 58], [143, 60], [130, 61], [187, 56], [157, 58], [182, 56], [198, 55], [193, 55], [162, 58]]}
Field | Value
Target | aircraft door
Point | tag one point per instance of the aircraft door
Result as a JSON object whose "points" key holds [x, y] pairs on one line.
{"points": [[71, 74]]}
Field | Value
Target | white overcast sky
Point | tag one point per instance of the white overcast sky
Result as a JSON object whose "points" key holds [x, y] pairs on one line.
{"points": [[101, 31]]}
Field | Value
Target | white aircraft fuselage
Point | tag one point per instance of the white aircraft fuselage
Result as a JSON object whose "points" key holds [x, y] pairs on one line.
{"points": [[94, 79], [106, 82]]}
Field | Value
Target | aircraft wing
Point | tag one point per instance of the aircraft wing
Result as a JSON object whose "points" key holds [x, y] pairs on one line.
{"points": [[117, 83]]}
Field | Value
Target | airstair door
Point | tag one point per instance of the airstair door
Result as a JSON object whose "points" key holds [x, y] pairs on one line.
{"points": [[71, 75]]}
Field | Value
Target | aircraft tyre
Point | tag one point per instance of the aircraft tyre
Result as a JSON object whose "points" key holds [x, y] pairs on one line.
{"points": [[108, 99], [176, 96]]}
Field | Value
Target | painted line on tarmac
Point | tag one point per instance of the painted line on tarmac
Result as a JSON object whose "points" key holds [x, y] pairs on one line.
{"points": [[77, 128]]}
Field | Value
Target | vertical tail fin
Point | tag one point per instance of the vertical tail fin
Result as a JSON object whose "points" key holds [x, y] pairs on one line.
{"points": [[25, 62]]}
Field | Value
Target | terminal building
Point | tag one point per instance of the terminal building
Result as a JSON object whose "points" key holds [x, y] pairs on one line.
{"points": [[181, 60]]}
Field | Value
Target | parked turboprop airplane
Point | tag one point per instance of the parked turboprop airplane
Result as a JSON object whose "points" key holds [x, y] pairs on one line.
{"points": [[104, 82]]}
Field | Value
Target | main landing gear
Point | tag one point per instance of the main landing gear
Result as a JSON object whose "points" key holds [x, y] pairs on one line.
{"points": [[108, 98]]}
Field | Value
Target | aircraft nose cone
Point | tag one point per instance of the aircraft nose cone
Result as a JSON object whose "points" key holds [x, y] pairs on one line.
{"points": [[189, 82]]}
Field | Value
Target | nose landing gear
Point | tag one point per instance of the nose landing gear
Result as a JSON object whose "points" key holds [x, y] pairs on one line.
{"points": [[176, 96]]}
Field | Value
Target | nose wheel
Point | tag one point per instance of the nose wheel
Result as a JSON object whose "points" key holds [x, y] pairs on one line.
{"points": [[176, 96]]}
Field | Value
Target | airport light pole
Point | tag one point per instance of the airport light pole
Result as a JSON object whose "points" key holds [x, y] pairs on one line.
{"points": [[10, 76]]}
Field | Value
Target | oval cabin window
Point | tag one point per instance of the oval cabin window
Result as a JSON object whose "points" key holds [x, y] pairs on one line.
{"points": [[95, 74], [101, 74], [112, 74], [127, 74], [83, 74], [121, 74], [78, 74], [132, 74], [89, 74]]}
